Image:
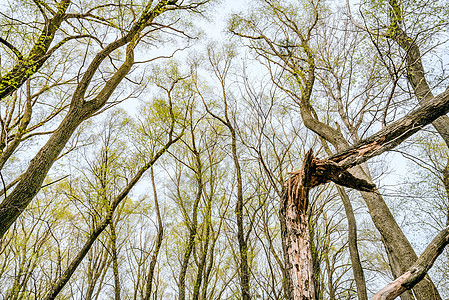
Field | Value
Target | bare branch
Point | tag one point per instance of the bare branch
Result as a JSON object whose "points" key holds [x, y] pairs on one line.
{"points": [[418, 271], [12, 48]]}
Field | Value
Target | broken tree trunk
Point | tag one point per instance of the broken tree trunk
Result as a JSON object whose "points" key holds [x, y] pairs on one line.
{"points": [[297, 235], [335, 168], [297, 211]]}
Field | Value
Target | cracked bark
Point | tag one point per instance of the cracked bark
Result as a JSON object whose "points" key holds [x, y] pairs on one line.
{"points": [[297, 233]]}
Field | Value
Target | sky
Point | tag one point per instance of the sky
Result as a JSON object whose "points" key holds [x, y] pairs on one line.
{"points": [[221, 15]]}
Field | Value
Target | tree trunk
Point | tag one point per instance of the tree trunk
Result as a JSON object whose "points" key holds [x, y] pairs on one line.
{"points": [[194, 222], [159, 237], [30, 182], [115, 267], [356, 264], [396, 269], [357, 269], [201, 264], [244, 271], [287, 280], [297, 233], [394, 239], [316, 172]]}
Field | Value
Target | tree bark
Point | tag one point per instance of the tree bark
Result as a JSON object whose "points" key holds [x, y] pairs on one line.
{"points": [[202, 263], [115, 267], [356, 264], [393, 237], [80, 109], [316, 172], [396, 268], [159, 237], [297, 233], [287, 279]]}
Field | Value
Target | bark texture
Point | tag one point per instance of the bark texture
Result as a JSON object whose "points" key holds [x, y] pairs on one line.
{"points": [[287, 281], [298, 242], [335, 168]]}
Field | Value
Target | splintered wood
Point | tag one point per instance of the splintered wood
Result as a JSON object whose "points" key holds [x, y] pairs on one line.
{"points": [[314, 172], [298, 186], [298, 235], [320, 171]]}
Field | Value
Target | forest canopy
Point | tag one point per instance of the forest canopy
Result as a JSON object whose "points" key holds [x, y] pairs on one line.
{"points": [[297, 150]]}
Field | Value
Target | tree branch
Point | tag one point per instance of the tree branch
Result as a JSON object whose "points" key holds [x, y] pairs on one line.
{"points": [[417, 272]]}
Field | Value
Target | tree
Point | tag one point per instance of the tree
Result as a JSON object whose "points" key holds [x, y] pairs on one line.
{"points": [[221, 64], [83, 106], [221, 214], [294, 66]]}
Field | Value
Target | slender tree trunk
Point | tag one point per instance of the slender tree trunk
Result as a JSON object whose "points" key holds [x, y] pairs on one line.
{"points": [[115, 267], [201, 264], [243, 246], [209, 266], [243, 266], [445, 180], [188, 250], [159, 237], [97, 266], [193, 225], [357, 269]]}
